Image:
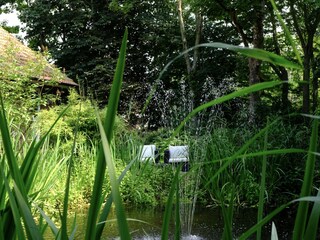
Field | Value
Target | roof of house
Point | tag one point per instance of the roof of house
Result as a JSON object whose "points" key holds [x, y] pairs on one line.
{"points": [[15, 53]]}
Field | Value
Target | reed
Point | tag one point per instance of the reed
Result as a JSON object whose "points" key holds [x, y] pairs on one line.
{"points": [[17, 177]]}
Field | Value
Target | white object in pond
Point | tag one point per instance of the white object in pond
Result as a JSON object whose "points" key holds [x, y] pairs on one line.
{"points": [[178, 154], [148, 153]]}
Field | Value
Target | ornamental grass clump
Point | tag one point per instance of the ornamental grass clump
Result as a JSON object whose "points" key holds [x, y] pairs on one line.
{"points": [[18, 172]]}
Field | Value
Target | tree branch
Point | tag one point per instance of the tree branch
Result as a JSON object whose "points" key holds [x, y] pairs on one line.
{"points": [[183, 35], [199, 22], [296, 24], [235, 22]]}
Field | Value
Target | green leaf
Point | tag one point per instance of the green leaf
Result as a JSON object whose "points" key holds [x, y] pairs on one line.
{"points": [[96, 200], [14, 210], [301, 218], [274, 234], [256, 53], [120, 213], [30, 225], [264, 221], [239, 93], [287, 32], [107, 206]]}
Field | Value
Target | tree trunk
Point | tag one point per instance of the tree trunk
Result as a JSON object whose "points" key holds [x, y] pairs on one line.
{"points": [[306, 81], [285, 103], [281, 72], [254, 71], [254, 64], [315, 85], [283, 75], [183, 35], [197, 41], [311, 21]]}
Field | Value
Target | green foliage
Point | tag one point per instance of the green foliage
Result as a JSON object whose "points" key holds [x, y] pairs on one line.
{"points": [[147, 185], [227, 160], [19, 92], [162, 138], [105, 158], [64, 130]]}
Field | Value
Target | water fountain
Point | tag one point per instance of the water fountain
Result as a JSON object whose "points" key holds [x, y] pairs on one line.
{"points": [[178, 156], [174, 105], [188, 186]]}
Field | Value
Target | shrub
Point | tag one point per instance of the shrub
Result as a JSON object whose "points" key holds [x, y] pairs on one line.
{"points": [[80, 115]]}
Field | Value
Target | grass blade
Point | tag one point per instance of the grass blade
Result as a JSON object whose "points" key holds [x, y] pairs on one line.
{"points": [[256, 53], [301, 218], [64, 232], [308, 199], [287, 32], [239, 93], [271, 152], [262, 185], [227, 212], [8, 220], [74, 228], [312, 227], [29, 165], [264, 221], [274, 234], [107, 206], [95, 202], [30, 225], [51, 224], [15, 212], [7, 145], [260, 154], [249, 52], [121, 217], [240, 151], [177, 214], [113, 101]]}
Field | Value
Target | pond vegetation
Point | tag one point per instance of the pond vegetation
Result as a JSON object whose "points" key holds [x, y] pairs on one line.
{"points": [[84, 156]]}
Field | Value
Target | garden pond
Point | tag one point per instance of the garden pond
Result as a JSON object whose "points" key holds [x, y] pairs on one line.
{"points": [[145, 224]]}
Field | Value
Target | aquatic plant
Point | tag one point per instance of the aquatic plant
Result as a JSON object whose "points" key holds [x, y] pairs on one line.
{"points": [[17, 218]]}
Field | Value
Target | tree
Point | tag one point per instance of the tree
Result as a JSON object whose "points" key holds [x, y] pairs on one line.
{"points": [[305, 19], [83, 38], [250, 28], [198, 30], [7, 7], [276, 47]]}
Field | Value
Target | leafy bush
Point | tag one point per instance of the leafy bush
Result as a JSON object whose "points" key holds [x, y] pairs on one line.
{"points": [[147, 184], [80, 115]]}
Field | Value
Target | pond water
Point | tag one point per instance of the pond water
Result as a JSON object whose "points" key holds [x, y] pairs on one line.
{"points": [[145, 224]]}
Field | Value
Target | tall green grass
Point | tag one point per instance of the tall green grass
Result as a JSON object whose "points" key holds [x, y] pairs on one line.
{"points": [[17, 177], [104, 156]]}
